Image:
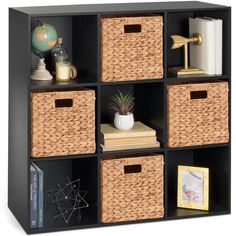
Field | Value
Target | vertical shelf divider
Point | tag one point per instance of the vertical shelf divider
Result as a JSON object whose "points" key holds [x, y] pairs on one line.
{"points": [[165, 44], [98, 112]]}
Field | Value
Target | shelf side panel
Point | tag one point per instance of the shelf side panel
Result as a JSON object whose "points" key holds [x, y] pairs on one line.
{"points": [[18, 197]]}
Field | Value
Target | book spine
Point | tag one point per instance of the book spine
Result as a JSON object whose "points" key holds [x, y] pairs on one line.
{"points": [[218, 46], [129, 147], [40, 199], [194, 26], [135, 140], [33, 199], [210, 36], [129, 135]]}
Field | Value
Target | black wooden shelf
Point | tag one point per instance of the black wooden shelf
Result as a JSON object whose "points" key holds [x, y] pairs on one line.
{"points": [[69, 157], [50, 85], [134, 82], [56, 229], [175, 213], [131, 152], [202, 78], [199, 146], [80, 28]]}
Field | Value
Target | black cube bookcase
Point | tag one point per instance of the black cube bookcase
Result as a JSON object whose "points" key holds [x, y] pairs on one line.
{"points": [[80, 27]]}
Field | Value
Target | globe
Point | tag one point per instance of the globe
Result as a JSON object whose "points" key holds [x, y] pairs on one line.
{"points": [[44, 37]]}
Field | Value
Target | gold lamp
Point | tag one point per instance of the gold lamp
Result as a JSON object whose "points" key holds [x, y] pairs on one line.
{"points": [[179, 41]]}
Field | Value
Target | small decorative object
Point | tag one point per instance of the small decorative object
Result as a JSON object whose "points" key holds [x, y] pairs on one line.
{"points": [[59, 54], [179, 41], [62, 69], [65, 71], [44, 38], [41, 73], [193, 187], [68, 199], [122, 104]]}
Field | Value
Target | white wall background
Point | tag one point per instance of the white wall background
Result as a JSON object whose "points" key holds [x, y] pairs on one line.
{"points": [[220, 225]]}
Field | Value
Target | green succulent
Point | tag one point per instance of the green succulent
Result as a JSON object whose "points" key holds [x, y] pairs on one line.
{"points": [[122, 103]]}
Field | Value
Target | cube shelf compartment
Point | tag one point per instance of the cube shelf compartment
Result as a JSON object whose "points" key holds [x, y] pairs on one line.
{"points": [[149, 104], [177, 23], [80, 28], [56, 172], [79, 34], [218, 162]]}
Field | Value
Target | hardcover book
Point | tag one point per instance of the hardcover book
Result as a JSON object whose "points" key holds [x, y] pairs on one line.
{"points": [[40, 195], [33, 197], [139, 130]]}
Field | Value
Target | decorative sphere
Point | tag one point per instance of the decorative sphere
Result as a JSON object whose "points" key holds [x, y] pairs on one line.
{"points": [[44, 37]]}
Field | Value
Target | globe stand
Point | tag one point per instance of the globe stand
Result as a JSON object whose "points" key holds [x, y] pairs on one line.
{"points": [[41, 73]]}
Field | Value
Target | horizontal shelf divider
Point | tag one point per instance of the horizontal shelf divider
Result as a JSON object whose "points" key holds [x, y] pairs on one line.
{"points": [[202, 78], [134, 82], [69, 157], [47, 85], [44, 230], [41, 85], [131, 152], [198, 147], [74, 227], [201, 214]]}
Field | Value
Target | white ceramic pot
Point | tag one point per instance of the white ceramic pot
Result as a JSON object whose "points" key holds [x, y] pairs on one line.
{"points": [[124, 122]]}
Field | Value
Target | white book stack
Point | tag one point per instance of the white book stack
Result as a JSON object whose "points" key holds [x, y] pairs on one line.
{"points": [[207, 56]]}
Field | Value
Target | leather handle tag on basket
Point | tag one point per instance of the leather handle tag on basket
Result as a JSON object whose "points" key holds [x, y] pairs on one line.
{"points": [[129, 169], [134, 28], [201, 94], [63, 102]]}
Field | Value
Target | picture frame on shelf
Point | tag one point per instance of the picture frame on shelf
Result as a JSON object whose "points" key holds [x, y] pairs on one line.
{"points": [[193, 187]]}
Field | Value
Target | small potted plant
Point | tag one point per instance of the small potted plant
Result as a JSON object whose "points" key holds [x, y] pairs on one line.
{"points": [[123, 104]]}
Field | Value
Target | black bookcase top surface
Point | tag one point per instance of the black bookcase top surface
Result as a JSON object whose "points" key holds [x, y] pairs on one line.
{"points": [[117, 7]]}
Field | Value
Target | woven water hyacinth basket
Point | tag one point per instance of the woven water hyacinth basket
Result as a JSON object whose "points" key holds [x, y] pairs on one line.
{"points": [[63, 123], [132, 48], [197, 114], [132, 188]]}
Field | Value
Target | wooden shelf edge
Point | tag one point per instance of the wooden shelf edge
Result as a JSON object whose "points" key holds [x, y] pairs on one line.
{"points": [[98, 225], [131, 152], [197, 78], [48, 85], [58, 158], [217, 145], [147, 81]]}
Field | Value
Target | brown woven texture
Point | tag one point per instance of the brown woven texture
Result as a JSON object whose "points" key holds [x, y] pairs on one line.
{"points": [[62, 130], [132, 56], [197, 121], [131, 196]]}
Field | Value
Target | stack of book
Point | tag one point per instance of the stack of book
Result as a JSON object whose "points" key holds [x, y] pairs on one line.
{"points": [[207, 56], [140, 136], [36, 196]]}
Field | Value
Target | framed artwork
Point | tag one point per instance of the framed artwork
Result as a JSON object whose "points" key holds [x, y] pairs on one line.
{"points": [[193, 187]]}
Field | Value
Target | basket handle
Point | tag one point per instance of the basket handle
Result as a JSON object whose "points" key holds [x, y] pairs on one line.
{"points": [[199, 94], [132, 25], [63, 102], [198, 91], [63, 99], [129, 169], [134, 28]]}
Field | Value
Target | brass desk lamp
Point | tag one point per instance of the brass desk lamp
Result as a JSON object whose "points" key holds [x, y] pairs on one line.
{"points": [[179, 41]]}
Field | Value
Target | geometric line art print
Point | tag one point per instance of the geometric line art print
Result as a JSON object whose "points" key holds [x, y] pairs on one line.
{"points": [[68, 199]]}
